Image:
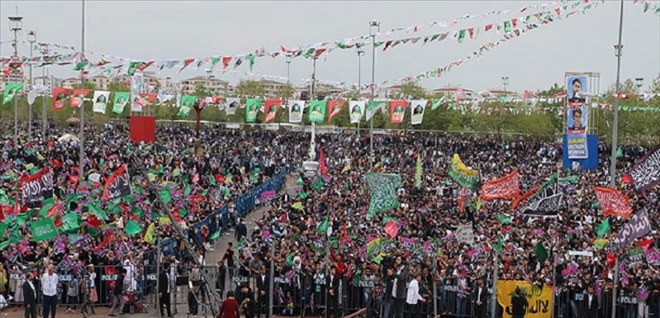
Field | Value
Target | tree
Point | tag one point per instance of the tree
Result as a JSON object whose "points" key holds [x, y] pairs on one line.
{"points": [[285, 92], [250, 88]]}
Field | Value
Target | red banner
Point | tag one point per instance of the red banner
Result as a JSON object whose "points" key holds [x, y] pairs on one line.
{"points": [[335, 107], [271, 107], [397, 111], [59, 97], [527, 195], [78, 97], [507, 187], [611, 201]]}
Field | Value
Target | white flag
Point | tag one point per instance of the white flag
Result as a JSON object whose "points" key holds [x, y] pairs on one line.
{"points": [[36, 91], [356, 108], [417, 108], [231, 105], [100, 101]]}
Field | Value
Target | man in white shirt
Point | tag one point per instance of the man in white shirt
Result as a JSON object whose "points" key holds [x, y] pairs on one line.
{"points": [[49, 283], [413, 297]]}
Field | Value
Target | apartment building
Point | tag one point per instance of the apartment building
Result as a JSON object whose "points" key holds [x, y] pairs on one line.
{"points": [[212, 84], [71, 82], [100, 82], [48, 81]]}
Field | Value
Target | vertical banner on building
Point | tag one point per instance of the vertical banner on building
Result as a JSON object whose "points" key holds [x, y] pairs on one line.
{"points": [[577, 118], [539, 298], [296, 110]]}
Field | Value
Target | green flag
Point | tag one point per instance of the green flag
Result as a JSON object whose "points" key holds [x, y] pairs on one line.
{"points": [[503, 219], [120, 101], [97, 211], [11, 90], [373, 107], [507, 26], [540, 252], [323, 226], [187, 103], [317, 109], [299, 182], [388, 218], [603, 228], [80, 66], [383, 189], [619, 153], [463, 175], [165, 195], [252, 106], [250, 59], [46, 205], [500, 245], [132, 228], [215, 236], [43, 230], [461, 36]]}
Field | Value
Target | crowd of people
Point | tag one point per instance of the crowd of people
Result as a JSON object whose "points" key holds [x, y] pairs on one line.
{"points": [[323, 236], [314, 271]]}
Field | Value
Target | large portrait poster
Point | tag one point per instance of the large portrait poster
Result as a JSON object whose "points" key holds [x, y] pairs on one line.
{"points": [[539, 298], [577, 118]]}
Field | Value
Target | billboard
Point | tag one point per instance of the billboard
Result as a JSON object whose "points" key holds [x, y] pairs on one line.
{"points": [[577, 118]]}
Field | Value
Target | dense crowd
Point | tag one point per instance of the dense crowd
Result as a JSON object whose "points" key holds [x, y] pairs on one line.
{"points": [[462, 273], [334, 267]]}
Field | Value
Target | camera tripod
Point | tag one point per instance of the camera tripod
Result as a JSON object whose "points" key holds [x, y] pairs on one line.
{"points": [[204, 302]]}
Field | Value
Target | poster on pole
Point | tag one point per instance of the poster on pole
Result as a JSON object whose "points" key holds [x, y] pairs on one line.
{"points": [[577, 118]]}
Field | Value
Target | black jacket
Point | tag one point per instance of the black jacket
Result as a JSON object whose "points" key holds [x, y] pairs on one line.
{"points": [[119, 285], [163, 282], [263, 284], [29, 295]]}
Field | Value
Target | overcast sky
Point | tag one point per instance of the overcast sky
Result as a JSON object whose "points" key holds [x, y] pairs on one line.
{"points": [[189, 29]]}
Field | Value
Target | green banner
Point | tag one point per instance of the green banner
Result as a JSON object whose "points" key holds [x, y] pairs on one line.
{"points": [[187, 103], [317, 109], [120, 101], [43, 230], [383, 192], [10, 91], [252, 106]]}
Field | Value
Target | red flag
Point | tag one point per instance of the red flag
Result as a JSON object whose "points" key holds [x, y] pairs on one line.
{"points": [[525, 196], [391, 229], [93, 221], [271, 107], [322, 167], [225, 62], [78, 97], [397, 111], [148, 97], [645, 243], [611, 201], [4, 208], [461, 201], [507, 187], [335, 107], [17, 207], [59, 97], [54, 211], [186, 62]]}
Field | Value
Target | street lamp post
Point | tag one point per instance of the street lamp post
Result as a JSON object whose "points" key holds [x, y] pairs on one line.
{"points": [[615, 124], [15, 25], [81, 170], [44, 115], [639, 81], [32, 37], [374, 29], [312, 144], [360, 52], [505, 82], [288, 67]]}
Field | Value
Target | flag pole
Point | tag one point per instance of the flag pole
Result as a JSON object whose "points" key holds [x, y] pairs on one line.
{"points": [[493, 307], [372, 24], [616, 277], [615, 124], [81, 143]]}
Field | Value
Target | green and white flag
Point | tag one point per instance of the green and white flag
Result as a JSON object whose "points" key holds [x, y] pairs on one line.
{"points": [[296, 110], [187, 103], [374, 106], [43, 230], [356, 108], [317, 109], [383, 188], [120, 101], [11, 90], [252, 106]]}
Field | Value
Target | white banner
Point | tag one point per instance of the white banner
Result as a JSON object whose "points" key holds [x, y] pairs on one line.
{"points": [[356, 108], [231, 105], [417, 108], [100, 101], [296, 110]]}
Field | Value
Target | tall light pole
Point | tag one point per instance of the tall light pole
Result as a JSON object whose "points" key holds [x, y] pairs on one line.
{"points": [[288, 68], [312, 144], [44, 115], [360, 52], [505, 82], [16, 25], [615, 125], [374, 29], [32, 37], [81, 172]]}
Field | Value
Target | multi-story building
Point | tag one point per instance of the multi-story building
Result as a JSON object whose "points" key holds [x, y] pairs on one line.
{"points": [[100, 82], [48, 81], [71, 82], [271, 88], [210, 83], [149, 78], [452, 92]]}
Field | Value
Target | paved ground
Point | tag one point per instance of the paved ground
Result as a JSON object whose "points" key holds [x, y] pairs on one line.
{"points": [[212, 257]]}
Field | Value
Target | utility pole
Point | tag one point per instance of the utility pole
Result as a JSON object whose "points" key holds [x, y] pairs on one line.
{"points": [[373, 25], [16, 25], [81, 170], [32, 38], [615, 129], [44, 114], [360, 52]]}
